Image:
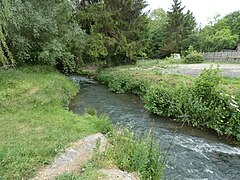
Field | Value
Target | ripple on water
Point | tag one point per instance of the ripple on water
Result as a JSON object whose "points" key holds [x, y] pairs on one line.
{"points": [[192, 153]]}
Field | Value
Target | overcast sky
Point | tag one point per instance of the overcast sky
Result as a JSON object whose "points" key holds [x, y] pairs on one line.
{"points": [[202, 9]]}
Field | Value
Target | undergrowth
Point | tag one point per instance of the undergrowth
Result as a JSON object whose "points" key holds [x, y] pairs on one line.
{"points": [[130, 153], [207, 101]]}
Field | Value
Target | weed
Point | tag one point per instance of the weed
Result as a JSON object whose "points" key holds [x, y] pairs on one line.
{"points": [[130, 153]]}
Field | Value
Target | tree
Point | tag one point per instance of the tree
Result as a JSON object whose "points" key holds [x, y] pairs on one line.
{"points": [[129, 29], [45, 33], [157, 26], [122, 27], [179, 27], [233, 22], [222, 34], [67, 33], [217, 40], [5, 14]]}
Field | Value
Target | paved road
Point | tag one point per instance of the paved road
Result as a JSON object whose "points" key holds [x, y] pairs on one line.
{"points": [[229, 70]]}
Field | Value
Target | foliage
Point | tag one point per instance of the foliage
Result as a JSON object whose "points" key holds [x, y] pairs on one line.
{"points": [[179, 27], [175, 31], [44, 33], [221, 34], [131, 153], [157, 28], [121, 27], [192, 56], [217, 39], [135, 154], [171, 32], [51, 33], [233, 22], [35, 124], [55, 52], [122, 82], [203, 102], [5, 55]]}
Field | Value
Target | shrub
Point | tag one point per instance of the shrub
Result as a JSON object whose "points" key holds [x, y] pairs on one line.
{"points": [[193, 58], [120, 82], [202, 103]]}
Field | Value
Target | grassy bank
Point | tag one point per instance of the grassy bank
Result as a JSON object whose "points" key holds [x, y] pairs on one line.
{"points": [[127, 152], [35, 124], [207, 101]]}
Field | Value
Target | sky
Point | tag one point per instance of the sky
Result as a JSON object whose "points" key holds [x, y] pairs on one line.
{"points": [[202, 9]]}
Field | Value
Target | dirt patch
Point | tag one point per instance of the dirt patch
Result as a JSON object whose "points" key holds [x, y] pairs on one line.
{"points": [[116, 174], [228, 70], [74, 158]]}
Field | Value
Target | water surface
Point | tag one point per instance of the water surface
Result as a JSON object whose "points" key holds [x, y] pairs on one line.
{"points": [[193, 154]]}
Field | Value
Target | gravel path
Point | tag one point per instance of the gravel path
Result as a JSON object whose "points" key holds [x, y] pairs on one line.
{"points": [[228, 70], [74, 158], [116, 174]]}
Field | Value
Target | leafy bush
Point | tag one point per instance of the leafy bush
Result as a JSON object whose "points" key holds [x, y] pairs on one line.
{"points": [[193, 58], [202, 103], [123, 82]]}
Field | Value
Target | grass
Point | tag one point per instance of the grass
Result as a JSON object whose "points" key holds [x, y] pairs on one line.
{"points": [[126, 151], [35, 123], [155, 75]]}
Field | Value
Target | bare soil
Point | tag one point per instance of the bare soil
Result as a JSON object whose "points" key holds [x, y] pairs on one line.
{"points": [[116, 174], [74, 158]]}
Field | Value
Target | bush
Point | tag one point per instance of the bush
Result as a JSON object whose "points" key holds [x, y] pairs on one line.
{"points": [[202, 103], [120, 82], [193, 58]]}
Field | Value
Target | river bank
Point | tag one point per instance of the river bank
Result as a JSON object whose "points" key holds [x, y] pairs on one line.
{"points": [[206, 101], [36, 125], [191, 153]]}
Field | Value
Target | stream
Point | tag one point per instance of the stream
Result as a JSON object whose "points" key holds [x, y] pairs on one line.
{"points": [[192, 153]]}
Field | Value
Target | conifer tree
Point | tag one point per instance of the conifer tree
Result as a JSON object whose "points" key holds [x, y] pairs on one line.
{"points": [[179, 27]]}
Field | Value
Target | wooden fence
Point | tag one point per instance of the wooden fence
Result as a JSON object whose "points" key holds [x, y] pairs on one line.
{"points": [[232, 57]]}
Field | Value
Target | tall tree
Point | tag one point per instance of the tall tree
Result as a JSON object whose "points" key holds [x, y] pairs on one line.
{"points": [[233, 22], [157, 26], [223, 33], [120, 27], [179, 27], [45, 33]]}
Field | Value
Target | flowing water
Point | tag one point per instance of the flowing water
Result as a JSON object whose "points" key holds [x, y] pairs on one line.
{"points": [[192, 153]]}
